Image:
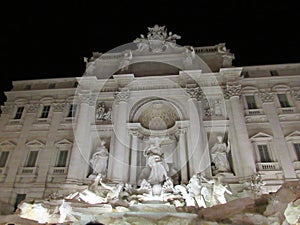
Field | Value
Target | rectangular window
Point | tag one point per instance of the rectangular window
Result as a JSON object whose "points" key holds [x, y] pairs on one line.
{"points": [[3, 158], [297, 150], [19, 113], [51, 85], [45, 111], [72, 110], [62, 158], [264, 153], [273, 73], [28, 87], [250, 99], [283, 100], [31, 160]]}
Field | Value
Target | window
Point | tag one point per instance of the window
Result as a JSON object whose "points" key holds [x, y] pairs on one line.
{"points": [[72, 110], [3, 158], [45, 111], [62, 158], [297, 150], [27, 86], [75, 84], [250, 99], [264, 153], [31, 160], [51, 85], [19, 113], [273, 73], [283, 100]]}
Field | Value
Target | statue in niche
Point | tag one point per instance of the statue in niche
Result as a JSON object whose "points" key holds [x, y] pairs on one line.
{"points": [[219, 156], [102, 113], [99, 160], [155, 162]]}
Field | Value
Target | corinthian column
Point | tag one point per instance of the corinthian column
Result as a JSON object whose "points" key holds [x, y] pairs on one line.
{"points": [[242, 149], [133, 156], [198, 154], [119, 158], [80, 151]]}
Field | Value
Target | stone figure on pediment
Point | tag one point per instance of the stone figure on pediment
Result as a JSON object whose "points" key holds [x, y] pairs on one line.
{"points": [[99, 160], [219, 156]]}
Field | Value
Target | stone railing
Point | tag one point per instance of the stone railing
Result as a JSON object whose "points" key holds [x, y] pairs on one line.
{"points": [[28, 170], [287, 110], [252, 112], [59, 170], [268, 166]]}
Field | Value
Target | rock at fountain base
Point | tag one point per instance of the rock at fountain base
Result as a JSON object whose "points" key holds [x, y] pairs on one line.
{"points": [[152, 208]]}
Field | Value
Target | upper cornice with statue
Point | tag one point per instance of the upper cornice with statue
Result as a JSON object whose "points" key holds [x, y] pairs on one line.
{"points": [[158, 45]]}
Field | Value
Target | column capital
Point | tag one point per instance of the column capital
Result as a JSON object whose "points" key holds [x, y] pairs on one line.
{"points": [[266, 97], [121, 96], [194, 93], [6, 109], [58, 107], [32, 108], [296, 94], [87, 98], [231, 90], [135, 132]]}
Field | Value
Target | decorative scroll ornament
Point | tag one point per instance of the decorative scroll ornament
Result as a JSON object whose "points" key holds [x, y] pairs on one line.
{"points": [[267, 97], [58, 107], [157, 40], [121, 96], [33, 108], [6, 109], [232, 90], [194, 93], [296, 95]]}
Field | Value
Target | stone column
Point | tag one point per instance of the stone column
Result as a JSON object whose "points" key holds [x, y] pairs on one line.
{"points": [[133, 156], [120, 153], [198, 153], [279, 141], [242, 149], [79, 159], [183, 155]]}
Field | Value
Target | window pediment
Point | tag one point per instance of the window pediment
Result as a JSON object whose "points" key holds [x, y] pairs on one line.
{"points": [[63, 143], [293, 136], [7, 145], [35, 144], [261, 136]]}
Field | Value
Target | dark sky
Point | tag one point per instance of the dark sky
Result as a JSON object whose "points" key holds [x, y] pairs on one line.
{"points": [[48, 39]]}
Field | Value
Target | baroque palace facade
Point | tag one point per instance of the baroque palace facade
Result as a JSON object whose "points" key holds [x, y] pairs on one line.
{"points": [[207, 116]]}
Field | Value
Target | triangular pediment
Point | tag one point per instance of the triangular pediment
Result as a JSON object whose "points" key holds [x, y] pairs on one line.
{"points": [[7, 145], [293, 136], [35, 143], [63, 142], [261, 136]]}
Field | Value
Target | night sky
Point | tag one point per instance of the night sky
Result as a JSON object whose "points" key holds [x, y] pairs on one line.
{"points": [[48, 39]]}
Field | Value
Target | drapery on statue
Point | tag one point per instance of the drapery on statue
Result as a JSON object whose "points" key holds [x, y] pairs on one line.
{"points": [[219, 156], [99, 160], [155, 161]]}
